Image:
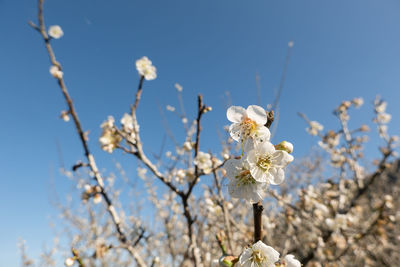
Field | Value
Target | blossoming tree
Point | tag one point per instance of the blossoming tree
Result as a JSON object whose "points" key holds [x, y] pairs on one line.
{"points": [[350, 219]]}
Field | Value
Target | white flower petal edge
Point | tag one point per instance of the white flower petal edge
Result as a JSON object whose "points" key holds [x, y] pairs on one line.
{"points": [[259, 255], [291, 261], [267, 164]]}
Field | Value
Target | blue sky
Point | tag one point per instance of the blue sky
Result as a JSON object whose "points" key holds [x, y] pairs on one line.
{"points": [[342, 49]]}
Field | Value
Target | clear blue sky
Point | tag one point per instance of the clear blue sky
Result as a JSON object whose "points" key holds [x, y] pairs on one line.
{"points": [[343, 49]]}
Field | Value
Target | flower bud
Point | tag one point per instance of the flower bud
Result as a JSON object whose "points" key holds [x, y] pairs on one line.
{"points": [[64, 115], [364, 128], [286, 146], [227, 261], [56, 72]]}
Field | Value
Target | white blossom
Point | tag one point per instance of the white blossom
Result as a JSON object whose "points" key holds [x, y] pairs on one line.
{"points": [[291, 261], [382, 129], [55, 32], [314, 128], [178, 87], [380, 106], [146, 69], [340, 221], [127, 123], [383, 117], [203, 161], [56, 72], [241, 184], [358, 102], [109, 123], [212, 207], [109, 139], [188, 146], [180, 176], [65, 115], [69, 262], [170, 108], [97, 199], [142, 172], [259, 255], [248, 123], [267, 164]]}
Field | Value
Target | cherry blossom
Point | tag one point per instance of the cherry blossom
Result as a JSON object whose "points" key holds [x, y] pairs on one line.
{"points": [[241, 184], [259, 255], [267, 164], [55, 32], [248, 123]]}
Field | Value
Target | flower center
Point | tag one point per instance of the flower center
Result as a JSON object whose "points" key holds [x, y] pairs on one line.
{"points": [[264, 163], [248, 126], [244, 178], [258, 257]]}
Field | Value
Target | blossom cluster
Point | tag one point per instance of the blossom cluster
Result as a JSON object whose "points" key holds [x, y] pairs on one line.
{"points": [[146, 69], [261, 162]]}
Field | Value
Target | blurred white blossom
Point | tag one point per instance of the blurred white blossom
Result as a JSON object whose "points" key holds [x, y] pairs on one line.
{"points": [[69, 262], [203, 162], [358, 102], [170, 108], [315, 128], [291, 261], [109, 139], [55, 32], [178, 87], [146, 69], [56, 72], [127, 123]]}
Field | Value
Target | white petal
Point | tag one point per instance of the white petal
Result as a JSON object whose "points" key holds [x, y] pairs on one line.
{"points": [[281, 158], [291, 261], [277, 175], [245, 256], [259, 245], [272, 255], [262, 134], [259, 175], [232, 166], [235, 131], [252, 157], [248, 145], [265, 148], [235, 113], [257, 114]]}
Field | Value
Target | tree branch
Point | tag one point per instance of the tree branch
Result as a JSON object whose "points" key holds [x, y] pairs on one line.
{"points": [[91, 161]]}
